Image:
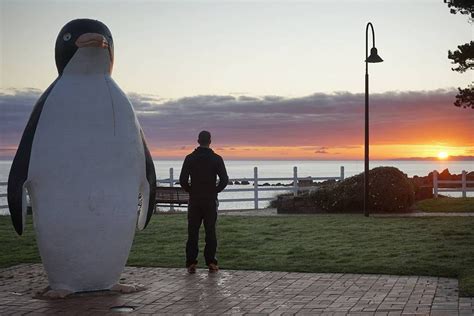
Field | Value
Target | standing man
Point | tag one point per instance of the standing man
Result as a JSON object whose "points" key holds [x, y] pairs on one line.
{"points": [[202, 165]]}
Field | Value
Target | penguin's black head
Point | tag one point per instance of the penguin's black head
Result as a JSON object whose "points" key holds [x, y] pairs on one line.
{"points": [[82, 33]]}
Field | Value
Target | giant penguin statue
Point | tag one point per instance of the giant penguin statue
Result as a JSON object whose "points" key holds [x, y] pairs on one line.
{"points": [[84, 161]]}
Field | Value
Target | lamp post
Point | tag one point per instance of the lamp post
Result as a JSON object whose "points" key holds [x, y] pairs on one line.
{"points": [[373, 58]]}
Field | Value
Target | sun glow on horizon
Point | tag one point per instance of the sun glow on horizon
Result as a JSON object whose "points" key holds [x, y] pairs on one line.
{"points": [[443, 155], [337, 152], [354, 152]]}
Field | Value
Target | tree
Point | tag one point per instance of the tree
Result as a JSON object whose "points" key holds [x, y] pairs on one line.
{"points": [[465, 97], [463, 57], [461, 6]]}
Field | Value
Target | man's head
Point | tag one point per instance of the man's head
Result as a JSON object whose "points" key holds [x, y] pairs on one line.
{"points": [[204, 138]]}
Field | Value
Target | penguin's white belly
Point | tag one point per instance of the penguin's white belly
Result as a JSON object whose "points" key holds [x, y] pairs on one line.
{"points": [[87, 161]]}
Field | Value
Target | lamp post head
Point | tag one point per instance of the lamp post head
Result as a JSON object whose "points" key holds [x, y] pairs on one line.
{"points": [[374, 57]]}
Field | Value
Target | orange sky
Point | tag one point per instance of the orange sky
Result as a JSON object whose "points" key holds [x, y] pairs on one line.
{"points": [[321, 126], [381, 152], [402, 125]]}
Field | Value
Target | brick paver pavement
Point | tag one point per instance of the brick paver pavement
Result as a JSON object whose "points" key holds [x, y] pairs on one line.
{"points": [[174, 292]]}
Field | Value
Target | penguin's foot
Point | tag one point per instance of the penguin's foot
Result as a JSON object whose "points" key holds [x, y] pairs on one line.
{"points": [[127, 288], [60, 293]]}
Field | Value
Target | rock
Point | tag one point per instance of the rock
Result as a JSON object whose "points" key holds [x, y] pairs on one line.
{"points": [[305, 182], [236, 182], [244, 182], [328, 182], [445, 175]]}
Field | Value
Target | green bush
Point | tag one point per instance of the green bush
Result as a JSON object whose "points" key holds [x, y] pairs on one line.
{"points": [[390, 190]]}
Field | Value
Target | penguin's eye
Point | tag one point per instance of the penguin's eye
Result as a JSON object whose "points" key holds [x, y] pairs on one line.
{"points": [[67, 37]]}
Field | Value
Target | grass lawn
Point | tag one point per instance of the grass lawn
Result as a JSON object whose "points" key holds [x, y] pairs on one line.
{"points": [[327, 243], [446, 204]]}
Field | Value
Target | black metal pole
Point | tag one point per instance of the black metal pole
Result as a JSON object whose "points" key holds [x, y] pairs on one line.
{"points": [[366, 147], [374, 58], [366, 142]]}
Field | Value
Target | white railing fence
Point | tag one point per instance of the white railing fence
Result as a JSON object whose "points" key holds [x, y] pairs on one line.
{"points": [[295, 188], [463, 182], [3, 196], [256, 188]]}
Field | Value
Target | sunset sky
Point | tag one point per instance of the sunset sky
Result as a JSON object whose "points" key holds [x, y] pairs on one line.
{"points": [[270, 80]]}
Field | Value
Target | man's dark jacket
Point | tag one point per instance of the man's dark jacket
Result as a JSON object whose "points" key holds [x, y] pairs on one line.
{"points": [[203, 165]]}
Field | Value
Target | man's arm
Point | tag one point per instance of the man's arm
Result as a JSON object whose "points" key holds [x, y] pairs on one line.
{"points": [[184, 176], [222, 173]]}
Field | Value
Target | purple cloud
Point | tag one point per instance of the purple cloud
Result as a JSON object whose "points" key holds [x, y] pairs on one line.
{"points": [[320, 120]]}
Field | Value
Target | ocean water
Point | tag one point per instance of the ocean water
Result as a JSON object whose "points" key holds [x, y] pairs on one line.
{"points": [[284, 169]]}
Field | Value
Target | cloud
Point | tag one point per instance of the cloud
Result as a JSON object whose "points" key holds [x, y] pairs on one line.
{"points": [[320, 120], [322, 150], [15, 109]]}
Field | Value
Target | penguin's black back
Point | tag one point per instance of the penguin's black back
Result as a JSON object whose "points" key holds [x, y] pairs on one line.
{"points": [[20, 166]]}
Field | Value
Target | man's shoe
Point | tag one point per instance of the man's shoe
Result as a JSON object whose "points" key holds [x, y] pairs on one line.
{"points": [[192, 268], [213, 268]]}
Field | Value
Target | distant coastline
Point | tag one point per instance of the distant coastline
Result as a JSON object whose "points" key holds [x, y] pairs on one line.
{"points": [[451, 158], [434, 159]]}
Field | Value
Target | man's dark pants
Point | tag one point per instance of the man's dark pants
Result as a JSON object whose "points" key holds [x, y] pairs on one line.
{"points": [[201, 210]]}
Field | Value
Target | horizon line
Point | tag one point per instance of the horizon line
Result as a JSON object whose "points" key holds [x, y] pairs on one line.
{"points": [[450, 159]]}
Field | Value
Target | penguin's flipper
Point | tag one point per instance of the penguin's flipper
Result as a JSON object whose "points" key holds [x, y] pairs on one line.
{"points": [[16, 193], [148, 189]]}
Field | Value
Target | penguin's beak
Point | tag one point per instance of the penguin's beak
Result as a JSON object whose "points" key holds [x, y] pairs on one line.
{"points": [[92, 40]]}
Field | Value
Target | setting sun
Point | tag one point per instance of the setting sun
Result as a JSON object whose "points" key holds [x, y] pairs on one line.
{"points": [[442, 155]]}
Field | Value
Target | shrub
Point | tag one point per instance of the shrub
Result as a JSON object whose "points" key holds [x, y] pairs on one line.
{"points": [[390, 191]]}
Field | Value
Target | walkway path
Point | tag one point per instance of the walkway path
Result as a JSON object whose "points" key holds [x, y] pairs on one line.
{"points": [[260, 212], [174, 292]]}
